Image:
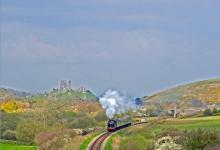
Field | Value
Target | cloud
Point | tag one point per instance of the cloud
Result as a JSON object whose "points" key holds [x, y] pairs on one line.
{"points": [[30, 48], [139, 46]]}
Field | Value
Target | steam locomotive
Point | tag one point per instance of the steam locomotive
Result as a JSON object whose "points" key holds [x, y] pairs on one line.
{"points": [[116, 124]]}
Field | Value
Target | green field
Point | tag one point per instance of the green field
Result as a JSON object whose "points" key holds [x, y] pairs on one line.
{"points": [[6, 146], [142, 135]]}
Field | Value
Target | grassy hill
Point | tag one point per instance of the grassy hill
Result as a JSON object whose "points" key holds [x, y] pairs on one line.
{"points": [[68, 95], [207, 91], [5, 93], [55, 95]]}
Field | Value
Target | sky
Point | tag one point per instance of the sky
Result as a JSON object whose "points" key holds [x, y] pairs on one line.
{"points": [[135, 46]]}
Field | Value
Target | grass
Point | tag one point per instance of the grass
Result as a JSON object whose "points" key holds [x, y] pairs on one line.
{"points": [[109, 143], [7, 146], [145, 133], [86, 142]]}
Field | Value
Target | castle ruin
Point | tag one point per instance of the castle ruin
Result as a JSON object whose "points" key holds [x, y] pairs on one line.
{"points": [[65, 85]]}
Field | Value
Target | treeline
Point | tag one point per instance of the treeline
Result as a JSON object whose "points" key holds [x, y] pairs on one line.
{"points": [[211, 112]]}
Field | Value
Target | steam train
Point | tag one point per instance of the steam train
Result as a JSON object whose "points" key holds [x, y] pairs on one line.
{"points": [[116, 124]]}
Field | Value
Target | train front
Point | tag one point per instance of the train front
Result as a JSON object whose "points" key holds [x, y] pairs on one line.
{"points": [[112, 125]]}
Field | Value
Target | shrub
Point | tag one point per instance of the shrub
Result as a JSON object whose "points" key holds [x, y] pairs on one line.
{"points": [[8, 121], [54, 139], [198, 139], [173, 132], [27, 130], [167, 143], [181, 116], [207, 112], [214, 111], [82, 121], [200, 115], [9, 135], [101, 116], [168, 139], [12, 105]]}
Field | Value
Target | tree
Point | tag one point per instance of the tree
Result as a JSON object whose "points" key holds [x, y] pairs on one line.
{"points": [[214, 111], [138, 101], [27, 130], [10, 106], [8, 121], [101, 116], [9, 135], [82, 121], [207, 112]]}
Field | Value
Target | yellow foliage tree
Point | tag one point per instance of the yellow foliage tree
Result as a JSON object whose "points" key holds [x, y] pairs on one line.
{"points": [[11, 106]]}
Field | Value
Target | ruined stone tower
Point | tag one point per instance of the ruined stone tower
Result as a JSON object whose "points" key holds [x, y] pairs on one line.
{"points": [[65, 85]]}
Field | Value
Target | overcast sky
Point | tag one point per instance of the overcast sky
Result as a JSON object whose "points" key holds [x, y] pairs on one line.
{"points": [[135, 46]]}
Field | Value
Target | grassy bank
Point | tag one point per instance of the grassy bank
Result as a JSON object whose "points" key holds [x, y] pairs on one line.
{"points": [[7, 146], [86, 142]]}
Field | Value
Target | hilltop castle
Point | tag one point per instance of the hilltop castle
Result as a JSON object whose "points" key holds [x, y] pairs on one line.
{"points": [[65, 85]]}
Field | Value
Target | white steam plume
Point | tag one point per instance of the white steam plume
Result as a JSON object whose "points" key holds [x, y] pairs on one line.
{"points": [[114, 103]]}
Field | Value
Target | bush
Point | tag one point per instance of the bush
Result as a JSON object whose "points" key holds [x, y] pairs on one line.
{"points": [[27, 130], [8, 121], [101, 116], [82, 121], [196, 139], [54, 139], [12, 106], [207, 112], [173, 132], [200, 115], [214, 111], [9, 135], [167, 143]]}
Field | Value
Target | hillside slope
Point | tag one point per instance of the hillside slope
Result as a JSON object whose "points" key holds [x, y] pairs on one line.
{"points": [[67, 96], [207, 91], [5, 93]]}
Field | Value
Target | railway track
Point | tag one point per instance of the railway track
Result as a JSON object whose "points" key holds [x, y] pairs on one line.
{"points": [[97, 144]]}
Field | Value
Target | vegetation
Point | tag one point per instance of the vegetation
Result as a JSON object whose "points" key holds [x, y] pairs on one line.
{"points": [[10, 93], [86, 142], [188, 139], [5, 146], [9, 135], [54, 139], [27, 130], [207, 91], [67, 96], [12, 105], [61, 122], [15, 145], [149, 132], [8, 122]]}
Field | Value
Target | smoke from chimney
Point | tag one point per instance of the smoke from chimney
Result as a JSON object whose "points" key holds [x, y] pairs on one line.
{"points": [[114, 103]]}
